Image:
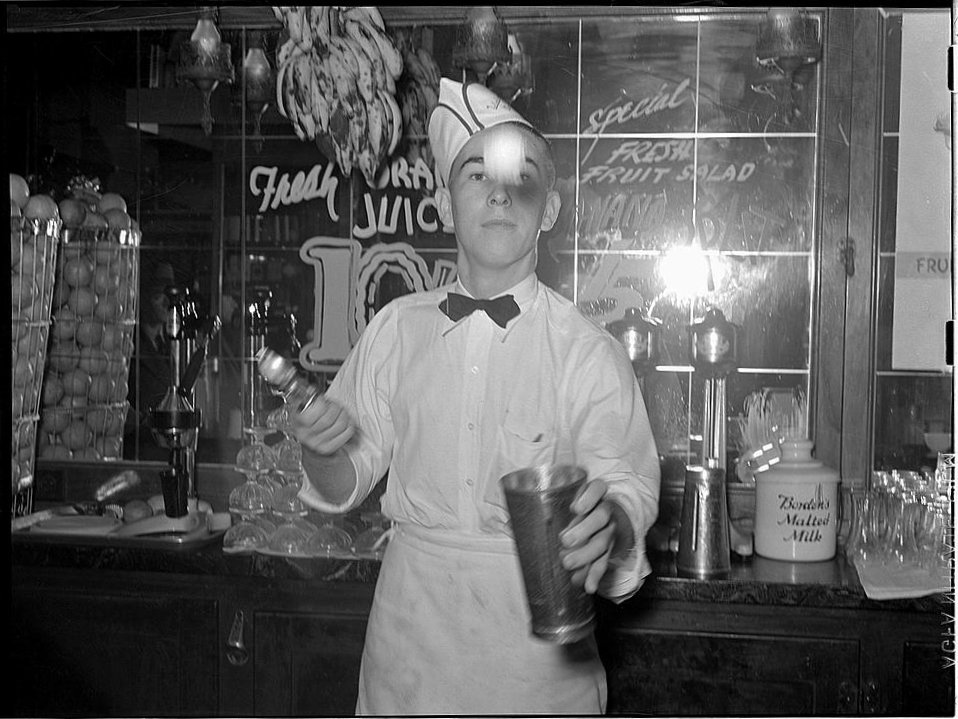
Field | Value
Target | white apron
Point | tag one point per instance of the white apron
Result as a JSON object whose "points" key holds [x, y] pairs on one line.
{"points": [[449, 634]]}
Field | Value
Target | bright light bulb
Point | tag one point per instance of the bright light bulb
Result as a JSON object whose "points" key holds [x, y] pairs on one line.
{"points": [[206, 35]]}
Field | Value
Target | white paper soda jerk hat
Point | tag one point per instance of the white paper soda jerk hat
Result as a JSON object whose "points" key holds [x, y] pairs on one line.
{"points": [[463, 111]]}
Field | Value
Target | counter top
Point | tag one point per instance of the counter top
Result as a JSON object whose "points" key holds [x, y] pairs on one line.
{"points": [[753, 580]]}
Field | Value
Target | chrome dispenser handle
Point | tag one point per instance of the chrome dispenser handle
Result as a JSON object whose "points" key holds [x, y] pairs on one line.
{"points": [[236, 651]]}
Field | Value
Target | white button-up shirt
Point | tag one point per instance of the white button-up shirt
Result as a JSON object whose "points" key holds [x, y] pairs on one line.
{"points": [[450, 407]]}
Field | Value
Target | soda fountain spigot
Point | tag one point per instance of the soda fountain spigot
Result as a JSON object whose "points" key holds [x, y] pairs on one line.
{"points": [[704, 538], [639, 335], [713, 351]]}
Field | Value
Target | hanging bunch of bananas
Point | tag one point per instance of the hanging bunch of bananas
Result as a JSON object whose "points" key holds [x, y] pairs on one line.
{"points": [[418, 95], [336, 83]]}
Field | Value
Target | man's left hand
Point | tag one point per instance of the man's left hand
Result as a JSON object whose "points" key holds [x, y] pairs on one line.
{"points": [[592, 536]]}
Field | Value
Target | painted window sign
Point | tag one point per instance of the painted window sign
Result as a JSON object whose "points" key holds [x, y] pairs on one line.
{"points": [[346, 281], [400, 205]]}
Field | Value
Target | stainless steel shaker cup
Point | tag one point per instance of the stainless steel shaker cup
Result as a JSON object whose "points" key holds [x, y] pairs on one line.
{"points": [[704, 549], [539, 500]]}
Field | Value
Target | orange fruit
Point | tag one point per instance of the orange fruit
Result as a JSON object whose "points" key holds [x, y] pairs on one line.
{"points": [[98, 419], [72, 212], [82, 301], [55, 420], [117, 219], [27, 261], [28, 345], [105, 282], [89, 333], [63, 356], [41, 207], [64, 324], [110, 201], [76, 382], [52, 390], [77, 435], [93, 360], [19, 191], [111, 338], [108, 309], [102, 387], [78, 271], [22, 291], [22, 371]]}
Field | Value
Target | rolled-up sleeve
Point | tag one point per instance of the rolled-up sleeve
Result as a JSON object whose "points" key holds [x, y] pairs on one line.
{"points": [[361, 386], [613, 440]]}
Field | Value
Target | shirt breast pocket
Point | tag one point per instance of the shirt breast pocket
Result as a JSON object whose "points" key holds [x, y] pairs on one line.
{"points": [[519, 445], [524, 447]]}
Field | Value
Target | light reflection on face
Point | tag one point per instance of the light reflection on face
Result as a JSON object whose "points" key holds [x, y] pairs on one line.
{"points": [[497, 220]]}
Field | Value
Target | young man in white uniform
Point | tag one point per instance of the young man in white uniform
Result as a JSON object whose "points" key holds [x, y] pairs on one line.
{"points": [[449, 400]]}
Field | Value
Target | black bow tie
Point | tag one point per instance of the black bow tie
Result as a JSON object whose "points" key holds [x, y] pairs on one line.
{"points": [[501, 309]]}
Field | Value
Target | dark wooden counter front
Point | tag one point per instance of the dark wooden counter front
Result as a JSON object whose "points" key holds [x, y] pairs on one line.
{"points": [[112, 631]]}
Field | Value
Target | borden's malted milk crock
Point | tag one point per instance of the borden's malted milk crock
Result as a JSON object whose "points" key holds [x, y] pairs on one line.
{"points": [[796, 507]]}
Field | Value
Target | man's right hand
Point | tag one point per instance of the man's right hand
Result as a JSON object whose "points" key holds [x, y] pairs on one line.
{"points": [[323, 426]]}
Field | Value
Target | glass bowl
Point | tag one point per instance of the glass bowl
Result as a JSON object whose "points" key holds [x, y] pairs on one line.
{"points": [[244, 536], [286, 501], [289, 538], [328, 540], [251, 498]]}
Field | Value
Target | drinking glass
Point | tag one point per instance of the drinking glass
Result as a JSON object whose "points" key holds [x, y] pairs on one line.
{"points": [[856, 512], [250, 499], [933, 549], [288, 451], [294, 530], [256, 457]]}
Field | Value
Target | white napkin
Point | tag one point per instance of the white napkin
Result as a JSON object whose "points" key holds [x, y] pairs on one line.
{"points": [[901, 581]]}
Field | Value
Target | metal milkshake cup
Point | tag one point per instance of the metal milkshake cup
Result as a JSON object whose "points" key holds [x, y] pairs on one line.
{"points": [[704, 545], [539, 500]]}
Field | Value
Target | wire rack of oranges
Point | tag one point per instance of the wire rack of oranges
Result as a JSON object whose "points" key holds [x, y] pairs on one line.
{"points": [[84, 399], [34, 240]]}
